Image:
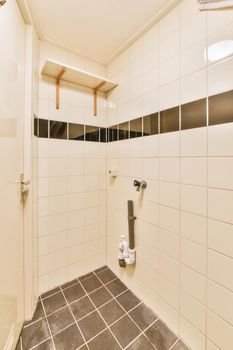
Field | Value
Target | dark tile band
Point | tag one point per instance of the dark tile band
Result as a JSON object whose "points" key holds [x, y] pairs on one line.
{"points": [[187, 116]]}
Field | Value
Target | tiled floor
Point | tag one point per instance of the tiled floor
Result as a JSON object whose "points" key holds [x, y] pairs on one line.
{"points": [[95, 312]]}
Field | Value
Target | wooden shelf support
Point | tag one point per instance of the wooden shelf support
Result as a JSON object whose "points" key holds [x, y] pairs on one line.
{"points": [[60, 71], [58, 87], [98, 87]]}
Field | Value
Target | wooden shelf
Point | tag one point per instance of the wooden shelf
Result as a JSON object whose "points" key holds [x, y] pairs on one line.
{"points": [[61, 71]]}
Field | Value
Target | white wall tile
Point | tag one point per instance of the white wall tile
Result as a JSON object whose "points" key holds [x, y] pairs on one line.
{"points": [[190, 37], [193, 227], [193, 283], [191, 335], [193, 86], [165, 166], [173, 224], [169, 243], [220, 142], [220, 301], [193, 311], [220, 203], [194, 171], [220, 237], [219, 79], [194, 142], [193, 255], [169, 144], [170, 194], [194, 199], [219, 269], [219, 331], [220, 172]]}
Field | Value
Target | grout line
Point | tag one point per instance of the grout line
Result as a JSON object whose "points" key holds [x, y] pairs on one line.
{"points": [[42, 342], [49, 295], [101, 315], [63, 329], [48, 324], [127, 313], [143, 334], [174, 344], [74, 319]]}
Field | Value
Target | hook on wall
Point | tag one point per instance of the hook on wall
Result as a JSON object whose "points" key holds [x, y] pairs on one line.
{"points": [[140, 185]]}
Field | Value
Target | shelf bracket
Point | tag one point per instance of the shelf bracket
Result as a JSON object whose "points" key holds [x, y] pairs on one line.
{"points": [[98, 87], [58, 87]]}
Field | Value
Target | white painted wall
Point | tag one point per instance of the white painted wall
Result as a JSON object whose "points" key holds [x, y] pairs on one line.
{"points": [[184, 221]]}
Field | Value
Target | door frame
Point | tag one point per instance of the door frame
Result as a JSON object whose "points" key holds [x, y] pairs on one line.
{"points": [[30, 241]]}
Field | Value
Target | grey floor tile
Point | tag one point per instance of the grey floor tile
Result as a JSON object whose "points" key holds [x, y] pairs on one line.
{"points": [[116, 287], [106, 276], [47, 345], [81, 307], [38, 314], [54, 303], [91, 284], [69, 339], [101, 269], [141, 344], [111, 312], [35, 334], [91, 325], [128, 300], [180, 346], [74, 292], [104, 341], [50, 292], [69, 284], [84, 277], [143, 316], [60, 319], [100, 296], [161, 336], [125, 330]]}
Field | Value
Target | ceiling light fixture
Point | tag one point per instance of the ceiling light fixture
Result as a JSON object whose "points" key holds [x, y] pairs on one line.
{"points": [[219, 51]]}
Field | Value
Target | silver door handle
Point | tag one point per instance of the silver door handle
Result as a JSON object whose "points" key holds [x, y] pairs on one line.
{"points": [[23, 189]]}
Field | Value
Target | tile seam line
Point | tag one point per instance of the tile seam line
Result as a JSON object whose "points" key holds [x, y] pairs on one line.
{"points": [[48, 325], [81, 317], [127, 313], [74, 319], [106, 325]]}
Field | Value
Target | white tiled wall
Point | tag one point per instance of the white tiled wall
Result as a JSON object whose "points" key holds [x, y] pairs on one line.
{"points": [[184, 232], [72, 181]]}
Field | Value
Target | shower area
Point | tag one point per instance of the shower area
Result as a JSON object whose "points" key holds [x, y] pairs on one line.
{"points": [[117, 219]]}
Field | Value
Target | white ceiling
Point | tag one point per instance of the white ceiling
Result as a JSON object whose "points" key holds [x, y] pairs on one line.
{"points": [[97, 29]]}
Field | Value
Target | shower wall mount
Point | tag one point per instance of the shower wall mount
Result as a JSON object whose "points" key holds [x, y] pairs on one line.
{"points": [[127, 251], [140, 185]]}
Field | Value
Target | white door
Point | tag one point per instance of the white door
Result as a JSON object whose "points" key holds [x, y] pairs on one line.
{"points": [[12, 61]]}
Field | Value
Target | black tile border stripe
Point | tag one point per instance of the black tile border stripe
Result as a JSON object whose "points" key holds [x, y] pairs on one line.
{"points": [[220, 112]]}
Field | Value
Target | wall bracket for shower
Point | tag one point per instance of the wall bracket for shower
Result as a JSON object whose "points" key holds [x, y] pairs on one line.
{"points": [[74, 75], [140, 185], [127, 251]]}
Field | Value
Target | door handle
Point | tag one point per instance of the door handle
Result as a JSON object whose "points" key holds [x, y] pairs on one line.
{"points": [[23, 188]]}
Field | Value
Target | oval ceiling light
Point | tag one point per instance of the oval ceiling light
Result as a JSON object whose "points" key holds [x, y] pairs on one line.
{"points": [[219, 50]]}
